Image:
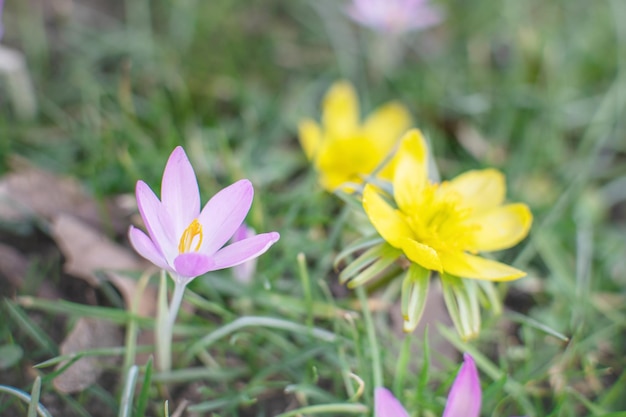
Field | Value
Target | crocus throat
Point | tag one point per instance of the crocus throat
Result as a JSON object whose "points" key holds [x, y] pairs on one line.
{"points": [[191, 235]]}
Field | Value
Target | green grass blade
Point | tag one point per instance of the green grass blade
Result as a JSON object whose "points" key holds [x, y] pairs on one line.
{"points": [[126, 403], [142, 400], [34, 398]]}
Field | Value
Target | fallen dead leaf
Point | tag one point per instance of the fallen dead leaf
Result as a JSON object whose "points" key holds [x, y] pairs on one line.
{"points": [[29, 193], [14, 266], [88, 333], [88, 251]]}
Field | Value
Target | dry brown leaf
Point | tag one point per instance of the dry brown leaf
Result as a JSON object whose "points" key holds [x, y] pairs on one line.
{"points": [[14, 266], [30, 193], [88, 251], [88, 333]]}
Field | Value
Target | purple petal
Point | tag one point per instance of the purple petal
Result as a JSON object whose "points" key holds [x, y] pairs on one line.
{"points": [[465, 395], [243, 232], [386, 405], [157, 221], [179, 191], [223, 214], [192, 264], [245, 271], [146, 248], [244, 250]]}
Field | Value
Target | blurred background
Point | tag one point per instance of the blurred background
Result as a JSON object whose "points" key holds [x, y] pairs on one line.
{"points": [[100, 92]]}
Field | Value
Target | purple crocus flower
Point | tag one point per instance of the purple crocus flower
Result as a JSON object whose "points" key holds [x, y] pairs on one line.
{"points": [[395, 16], [189, 242], [464, 399], [465, 396]]}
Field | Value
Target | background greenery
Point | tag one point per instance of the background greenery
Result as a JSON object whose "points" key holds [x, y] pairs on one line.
{"points": [[536, 89]]}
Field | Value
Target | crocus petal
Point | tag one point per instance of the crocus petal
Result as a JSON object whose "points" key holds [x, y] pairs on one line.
{"points": [[310, 136], [244, 250], [386, 405], [469, 266], [223, 214], [179, 191], [502, 227], [411, 172], [386, 125], [192, 264], [480, 189], [422, 254], [386, 220], [243, 232], [244, 272], [340, 110], [465, 395], [157, 220], [146, 248]]}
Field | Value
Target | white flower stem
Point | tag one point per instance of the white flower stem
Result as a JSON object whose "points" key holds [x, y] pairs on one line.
{"points": [[177, 298], [165, 322]]}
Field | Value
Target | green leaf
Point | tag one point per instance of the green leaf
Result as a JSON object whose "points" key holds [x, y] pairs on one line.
{"points": [[34, 398], [10, 355], [366, 258], [372, 271], [41, 410], [462, 300], [414, 293], [142, 401], [126, 403], [357, 246]]}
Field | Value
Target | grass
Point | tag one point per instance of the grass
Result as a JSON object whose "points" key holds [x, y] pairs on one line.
{"points": [[535, 89]]}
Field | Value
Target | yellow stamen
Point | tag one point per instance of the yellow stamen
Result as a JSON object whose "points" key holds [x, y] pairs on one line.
{"points": [[193, 233]]}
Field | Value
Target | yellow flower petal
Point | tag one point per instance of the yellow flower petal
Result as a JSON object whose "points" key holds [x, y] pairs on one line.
{"points": [[411, 171], [421, 254], [481, 189], [346, 160], [340, 110], [469, 266], [386, 220], [502, 227], [310, 136], [386, 125]]}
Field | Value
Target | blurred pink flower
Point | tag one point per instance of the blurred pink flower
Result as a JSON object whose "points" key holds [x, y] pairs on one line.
{"points": [[465, 396], [395, 16], [188, 242], [245, 271], [464, 399]]}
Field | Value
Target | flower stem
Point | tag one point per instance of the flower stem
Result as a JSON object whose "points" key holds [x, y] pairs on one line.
{"points": [[165, 321], [177, 298], [371, 336]]}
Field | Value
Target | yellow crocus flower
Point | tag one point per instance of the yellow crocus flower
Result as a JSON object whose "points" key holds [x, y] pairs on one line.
{"points": [[344, 150], [443, 226]]}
